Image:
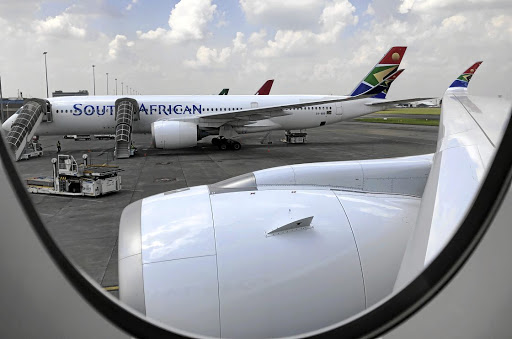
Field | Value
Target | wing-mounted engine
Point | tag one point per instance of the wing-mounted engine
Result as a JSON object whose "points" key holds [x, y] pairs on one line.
{"points": [[174, 134]]}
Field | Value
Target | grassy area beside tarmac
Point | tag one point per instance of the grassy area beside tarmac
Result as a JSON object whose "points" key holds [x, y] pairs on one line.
{"points": [[406, 121], [412, 110]]}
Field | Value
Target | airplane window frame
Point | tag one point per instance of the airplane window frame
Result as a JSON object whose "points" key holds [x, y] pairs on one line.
{"points": [[371, 323]]}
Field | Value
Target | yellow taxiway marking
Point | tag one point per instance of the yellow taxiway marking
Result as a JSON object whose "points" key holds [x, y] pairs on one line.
{"points": [[111, 288]]}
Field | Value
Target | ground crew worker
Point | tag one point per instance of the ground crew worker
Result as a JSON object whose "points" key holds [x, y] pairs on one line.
{"points": [[58, 146]]}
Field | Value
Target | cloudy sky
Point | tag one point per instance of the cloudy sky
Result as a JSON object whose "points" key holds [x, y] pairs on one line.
{"points": [[201, 46]]}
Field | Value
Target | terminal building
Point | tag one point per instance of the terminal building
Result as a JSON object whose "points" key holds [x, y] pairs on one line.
{"points": [[60, 93]]}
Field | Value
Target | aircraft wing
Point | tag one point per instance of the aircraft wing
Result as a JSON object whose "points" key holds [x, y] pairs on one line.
{"points": [[396, 102], [261, 113], [470, 130]]}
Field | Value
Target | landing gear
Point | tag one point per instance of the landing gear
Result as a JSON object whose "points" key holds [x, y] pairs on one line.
{"points": [[236, 145], [223, 143]]}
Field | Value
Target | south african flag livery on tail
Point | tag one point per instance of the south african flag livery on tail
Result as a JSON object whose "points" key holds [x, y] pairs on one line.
{"points": [[383, 70], [464, 78], [387, 84]]}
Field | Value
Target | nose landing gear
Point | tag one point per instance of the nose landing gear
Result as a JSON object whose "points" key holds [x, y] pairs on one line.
{"points": [[223, 143]]}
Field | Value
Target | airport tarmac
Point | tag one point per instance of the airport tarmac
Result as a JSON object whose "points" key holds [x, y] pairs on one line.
{"points": [[86, 228]]}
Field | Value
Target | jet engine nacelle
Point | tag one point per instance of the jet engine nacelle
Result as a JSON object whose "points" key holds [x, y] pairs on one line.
{"points": [[174, 134], [260, 263]]}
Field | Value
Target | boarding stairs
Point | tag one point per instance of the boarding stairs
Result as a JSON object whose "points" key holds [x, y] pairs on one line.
{"points": [[127, 111], [30, 116]]}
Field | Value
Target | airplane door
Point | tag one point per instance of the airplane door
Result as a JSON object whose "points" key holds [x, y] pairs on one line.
{"points": [[254, 105], [339, 108]]}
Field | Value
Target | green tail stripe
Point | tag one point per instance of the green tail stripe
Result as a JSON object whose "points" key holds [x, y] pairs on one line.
{"points": [[465, 77], [370, 79]]}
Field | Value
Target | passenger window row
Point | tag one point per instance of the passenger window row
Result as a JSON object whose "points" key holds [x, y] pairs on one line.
{"points": [[212, 109]]}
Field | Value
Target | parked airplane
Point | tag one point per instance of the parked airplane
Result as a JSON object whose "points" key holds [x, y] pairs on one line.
{"points": [[180, 121], [293, 249]]}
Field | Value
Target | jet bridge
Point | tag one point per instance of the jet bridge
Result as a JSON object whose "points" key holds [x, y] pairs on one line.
{"points": [[127, 111], [30, 115]]}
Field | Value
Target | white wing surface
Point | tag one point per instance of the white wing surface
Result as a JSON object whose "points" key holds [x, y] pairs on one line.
{"points": [[469, 131]]}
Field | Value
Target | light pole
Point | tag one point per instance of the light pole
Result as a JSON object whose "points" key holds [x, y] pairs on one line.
{"points": [[127, 90], [107, 82], [122, 92], [93, 80], [116, 86], [46, 72]]}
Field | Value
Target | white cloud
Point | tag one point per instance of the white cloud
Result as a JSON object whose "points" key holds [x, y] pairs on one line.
{"points": [[500, 27], [370, 10], [63, 25], [211, 57], [328, 70], [326, 51], [221, 21], [449, 6], [454, 23], [188, 21], [335, 16], [285, 14], [130, 5], [208, 57], [258, 38], [120, 44]]}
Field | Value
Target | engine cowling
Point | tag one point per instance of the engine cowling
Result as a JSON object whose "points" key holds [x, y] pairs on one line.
{"points": [[174, 134]]}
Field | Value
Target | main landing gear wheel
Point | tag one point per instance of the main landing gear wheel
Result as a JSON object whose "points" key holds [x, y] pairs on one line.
{"points": [[223, 143], [236, 145]]}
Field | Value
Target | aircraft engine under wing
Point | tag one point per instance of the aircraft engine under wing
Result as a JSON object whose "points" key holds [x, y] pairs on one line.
{"points": [[263, 255], [174, 134]]}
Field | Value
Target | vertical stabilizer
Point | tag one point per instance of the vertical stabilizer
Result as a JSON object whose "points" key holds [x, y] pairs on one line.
{"points": [[387, 84], [265, 89], [384, 68]]}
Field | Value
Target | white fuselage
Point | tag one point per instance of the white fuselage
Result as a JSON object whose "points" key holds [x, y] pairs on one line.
{"points": [[96, 114]]}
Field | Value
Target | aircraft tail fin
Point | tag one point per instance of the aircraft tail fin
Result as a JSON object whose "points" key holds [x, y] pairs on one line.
{"points": [[464, 78], [224, 91], [265, 89], [382, 70], [387, 84]]}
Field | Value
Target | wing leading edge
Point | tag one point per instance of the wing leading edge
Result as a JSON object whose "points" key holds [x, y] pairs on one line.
{"points": [[469, 131]]}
